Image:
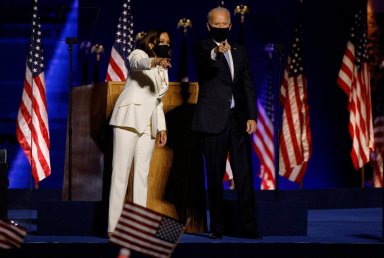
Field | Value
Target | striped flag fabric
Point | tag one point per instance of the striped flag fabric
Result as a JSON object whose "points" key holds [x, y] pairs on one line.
{"points": [[263, 138], [11, 234], [377, 154], [32, 128], [228, 175], [122, 47], [146, 231], [354, 80], [295, 138]]}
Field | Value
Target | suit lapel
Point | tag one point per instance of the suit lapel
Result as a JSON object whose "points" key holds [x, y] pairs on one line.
{"points": [[235, 58], [224, 59], [156, 75]]}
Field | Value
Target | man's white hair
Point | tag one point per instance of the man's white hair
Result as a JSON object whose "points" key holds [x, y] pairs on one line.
{"points": [[218, 9]]}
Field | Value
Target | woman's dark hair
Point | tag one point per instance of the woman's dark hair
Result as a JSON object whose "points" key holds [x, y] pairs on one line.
{"points": [[152, 36]]}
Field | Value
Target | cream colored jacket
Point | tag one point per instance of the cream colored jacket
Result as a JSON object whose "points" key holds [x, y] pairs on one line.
{"points": [[138, 104]]}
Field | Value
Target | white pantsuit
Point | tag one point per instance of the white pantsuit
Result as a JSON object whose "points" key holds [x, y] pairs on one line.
{"points": [[137, 117]]}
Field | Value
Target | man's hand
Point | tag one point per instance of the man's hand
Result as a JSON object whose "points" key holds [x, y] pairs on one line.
{"points": [[251, 126], [162, 139], [223, 47]]}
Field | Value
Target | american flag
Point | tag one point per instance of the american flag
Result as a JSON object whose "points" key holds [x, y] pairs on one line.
{"points": [[295, 138], [354, 80], [263, 138], [32, 120], [147, 231], [11, 234], [122, 47], [377, 155]]}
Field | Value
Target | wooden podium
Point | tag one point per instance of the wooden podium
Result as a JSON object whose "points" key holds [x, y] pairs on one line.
{"points": [[91, 140], [92, 147]]}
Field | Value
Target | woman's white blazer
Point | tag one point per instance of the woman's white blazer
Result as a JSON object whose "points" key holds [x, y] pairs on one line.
{"points": [[139, 103]]}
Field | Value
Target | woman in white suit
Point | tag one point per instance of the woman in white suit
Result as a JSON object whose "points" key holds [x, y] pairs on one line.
{"points": [[137, 118]]}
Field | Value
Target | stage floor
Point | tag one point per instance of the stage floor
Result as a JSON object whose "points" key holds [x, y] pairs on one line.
{"points": [[331, 233]]}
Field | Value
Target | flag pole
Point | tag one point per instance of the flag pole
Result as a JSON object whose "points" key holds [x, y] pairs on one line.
{"points": [[31, 139], [241, 10], [184, 23], [31, 112], [70, 42], [97, 50], [33, 66], [278, 49], [272, 48], [33, 182]]}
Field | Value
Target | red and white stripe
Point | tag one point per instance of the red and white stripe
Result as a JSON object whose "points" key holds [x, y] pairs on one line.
{"points": [[11, 234], [117, 71], [378, 132], [356, 84], [32, 128], [228, 171], [295, 137], [262, 142]]}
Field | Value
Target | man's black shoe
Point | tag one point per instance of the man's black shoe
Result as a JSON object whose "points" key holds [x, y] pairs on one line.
{"points": [[214, 235]]}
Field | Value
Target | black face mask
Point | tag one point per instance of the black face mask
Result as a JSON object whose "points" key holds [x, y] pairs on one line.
{"points": [[162, 51], [219, 34]]}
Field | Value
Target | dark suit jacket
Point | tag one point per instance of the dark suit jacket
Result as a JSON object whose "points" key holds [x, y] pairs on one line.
{"points": [[216, 88]]}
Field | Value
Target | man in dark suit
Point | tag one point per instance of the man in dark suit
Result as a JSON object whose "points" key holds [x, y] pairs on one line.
{"points": [[225, 115]]}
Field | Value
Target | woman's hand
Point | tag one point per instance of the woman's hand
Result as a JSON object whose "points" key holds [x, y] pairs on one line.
{"points": [[164, 62], [162, 139]]}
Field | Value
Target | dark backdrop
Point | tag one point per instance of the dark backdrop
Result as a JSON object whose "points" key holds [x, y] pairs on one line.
{"points": [[326, 28]]}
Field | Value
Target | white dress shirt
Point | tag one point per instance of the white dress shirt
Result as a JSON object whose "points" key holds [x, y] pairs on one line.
{"points": [[228, 57]]}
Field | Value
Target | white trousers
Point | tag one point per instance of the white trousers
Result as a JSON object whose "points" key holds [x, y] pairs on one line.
{"points": [[128, 145]]}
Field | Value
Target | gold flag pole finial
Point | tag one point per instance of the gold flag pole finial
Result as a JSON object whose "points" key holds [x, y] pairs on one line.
{"points": [[98, 50], [140, 35], [242, 10], [185, 23]]}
